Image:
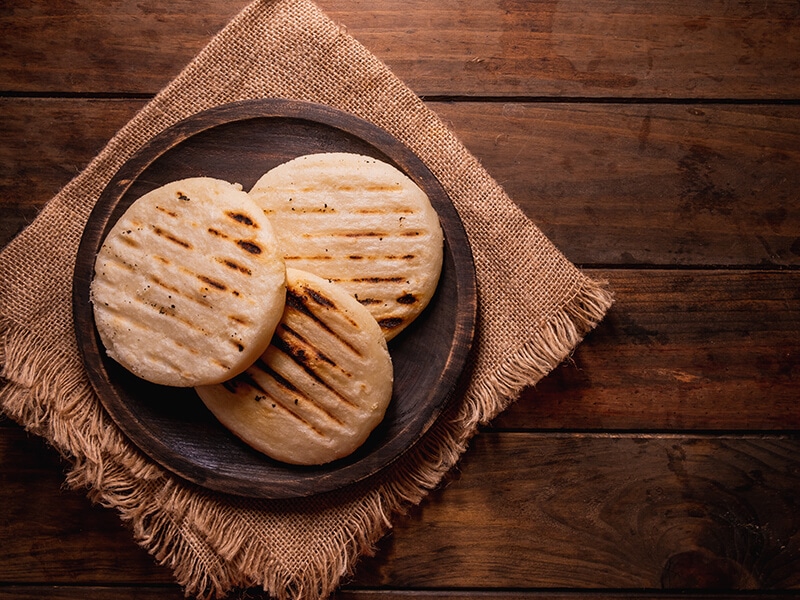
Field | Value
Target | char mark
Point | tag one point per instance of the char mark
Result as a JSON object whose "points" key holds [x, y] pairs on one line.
{"points": [[177, 292], [407, 299], [378, 279], [217, 233], [291, 388], [212, 282], [298, 351], [166, 211], [129, 241], [301, 358], [317, 257], [390, 322], [249, 246], [235, 266], [299, 303], [354, 234], [319, 298], [242, 218], [277, 377], [166, 235]]}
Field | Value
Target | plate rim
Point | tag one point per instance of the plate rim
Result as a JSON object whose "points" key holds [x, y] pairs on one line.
{"points": [[366, 131]]}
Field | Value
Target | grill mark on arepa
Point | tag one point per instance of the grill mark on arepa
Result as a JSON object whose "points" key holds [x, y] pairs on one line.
{"points": [[359, 257], [297, 394], [367, 233], [242, 219], [323, 357], [348, 234], [178, 292], [390, 322], [171, 237], [117, 261], [316, 377], [129, 241], [300, 355], [212, 282], [246, 378], [375, 279], [403, 257], [233, 265], [315, 257], [328, 304], [166, 211], [352, 234], [217, 233], [319, 298], [246, 245], [299, 304], [122, 314], [383, 211], [249, 246]]}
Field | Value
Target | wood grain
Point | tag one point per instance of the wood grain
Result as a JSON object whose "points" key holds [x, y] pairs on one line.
{"points": [[658, 144], [679, 350], [672, 346], [586, 511], [661, 512], [610, 184], [568, 48], [57, 534]]}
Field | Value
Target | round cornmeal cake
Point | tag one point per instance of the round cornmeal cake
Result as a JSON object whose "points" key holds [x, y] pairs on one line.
{"points": [[320, 388], [189, 284], [361, 223]]}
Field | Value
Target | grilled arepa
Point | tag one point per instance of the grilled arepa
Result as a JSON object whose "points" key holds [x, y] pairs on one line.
{"points": [[359, 222], [320, 388], [189, 284]]}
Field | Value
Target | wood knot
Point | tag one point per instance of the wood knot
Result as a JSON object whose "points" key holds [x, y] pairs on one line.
{"points": [[697, 569]]}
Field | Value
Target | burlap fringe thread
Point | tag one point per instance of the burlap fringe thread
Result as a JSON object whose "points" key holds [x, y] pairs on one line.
{"points": [[37, 395]]}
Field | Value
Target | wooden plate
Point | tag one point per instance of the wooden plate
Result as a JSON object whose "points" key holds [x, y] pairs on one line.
{"points": [[238, 143]]}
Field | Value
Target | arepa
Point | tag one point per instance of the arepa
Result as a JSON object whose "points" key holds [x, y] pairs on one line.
{"points": [[361, 223], [321, 387], [189, 284]]}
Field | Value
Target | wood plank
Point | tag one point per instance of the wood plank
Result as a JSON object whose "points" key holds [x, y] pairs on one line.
{"points": [[53, 535], [611, 184], [44, 144], [86, 46], [581, 511], [647, 184], [716, 350], [602, 48], [679, 350], [600, 512]]}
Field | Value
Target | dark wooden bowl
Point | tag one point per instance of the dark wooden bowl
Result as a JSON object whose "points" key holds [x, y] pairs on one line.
{"points": [[238, 143]]}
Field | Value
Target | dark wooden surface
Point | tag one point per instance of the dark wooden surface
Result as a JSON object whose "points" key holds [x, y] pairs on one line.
{"points": [[658, 145]]}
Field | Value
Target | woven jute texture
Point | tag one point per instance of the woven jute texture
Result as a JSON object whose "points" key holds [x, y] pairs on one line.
{"points": [[534, 307]]}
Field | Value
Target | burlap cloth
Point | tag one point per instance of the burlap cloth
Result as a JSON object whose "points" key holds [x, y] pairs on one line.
{"points": [[534, 307]]}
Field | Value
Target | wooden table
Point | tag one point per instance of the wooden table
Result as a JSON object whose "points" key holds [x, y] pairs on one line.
{"points": [[657, 144]]}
